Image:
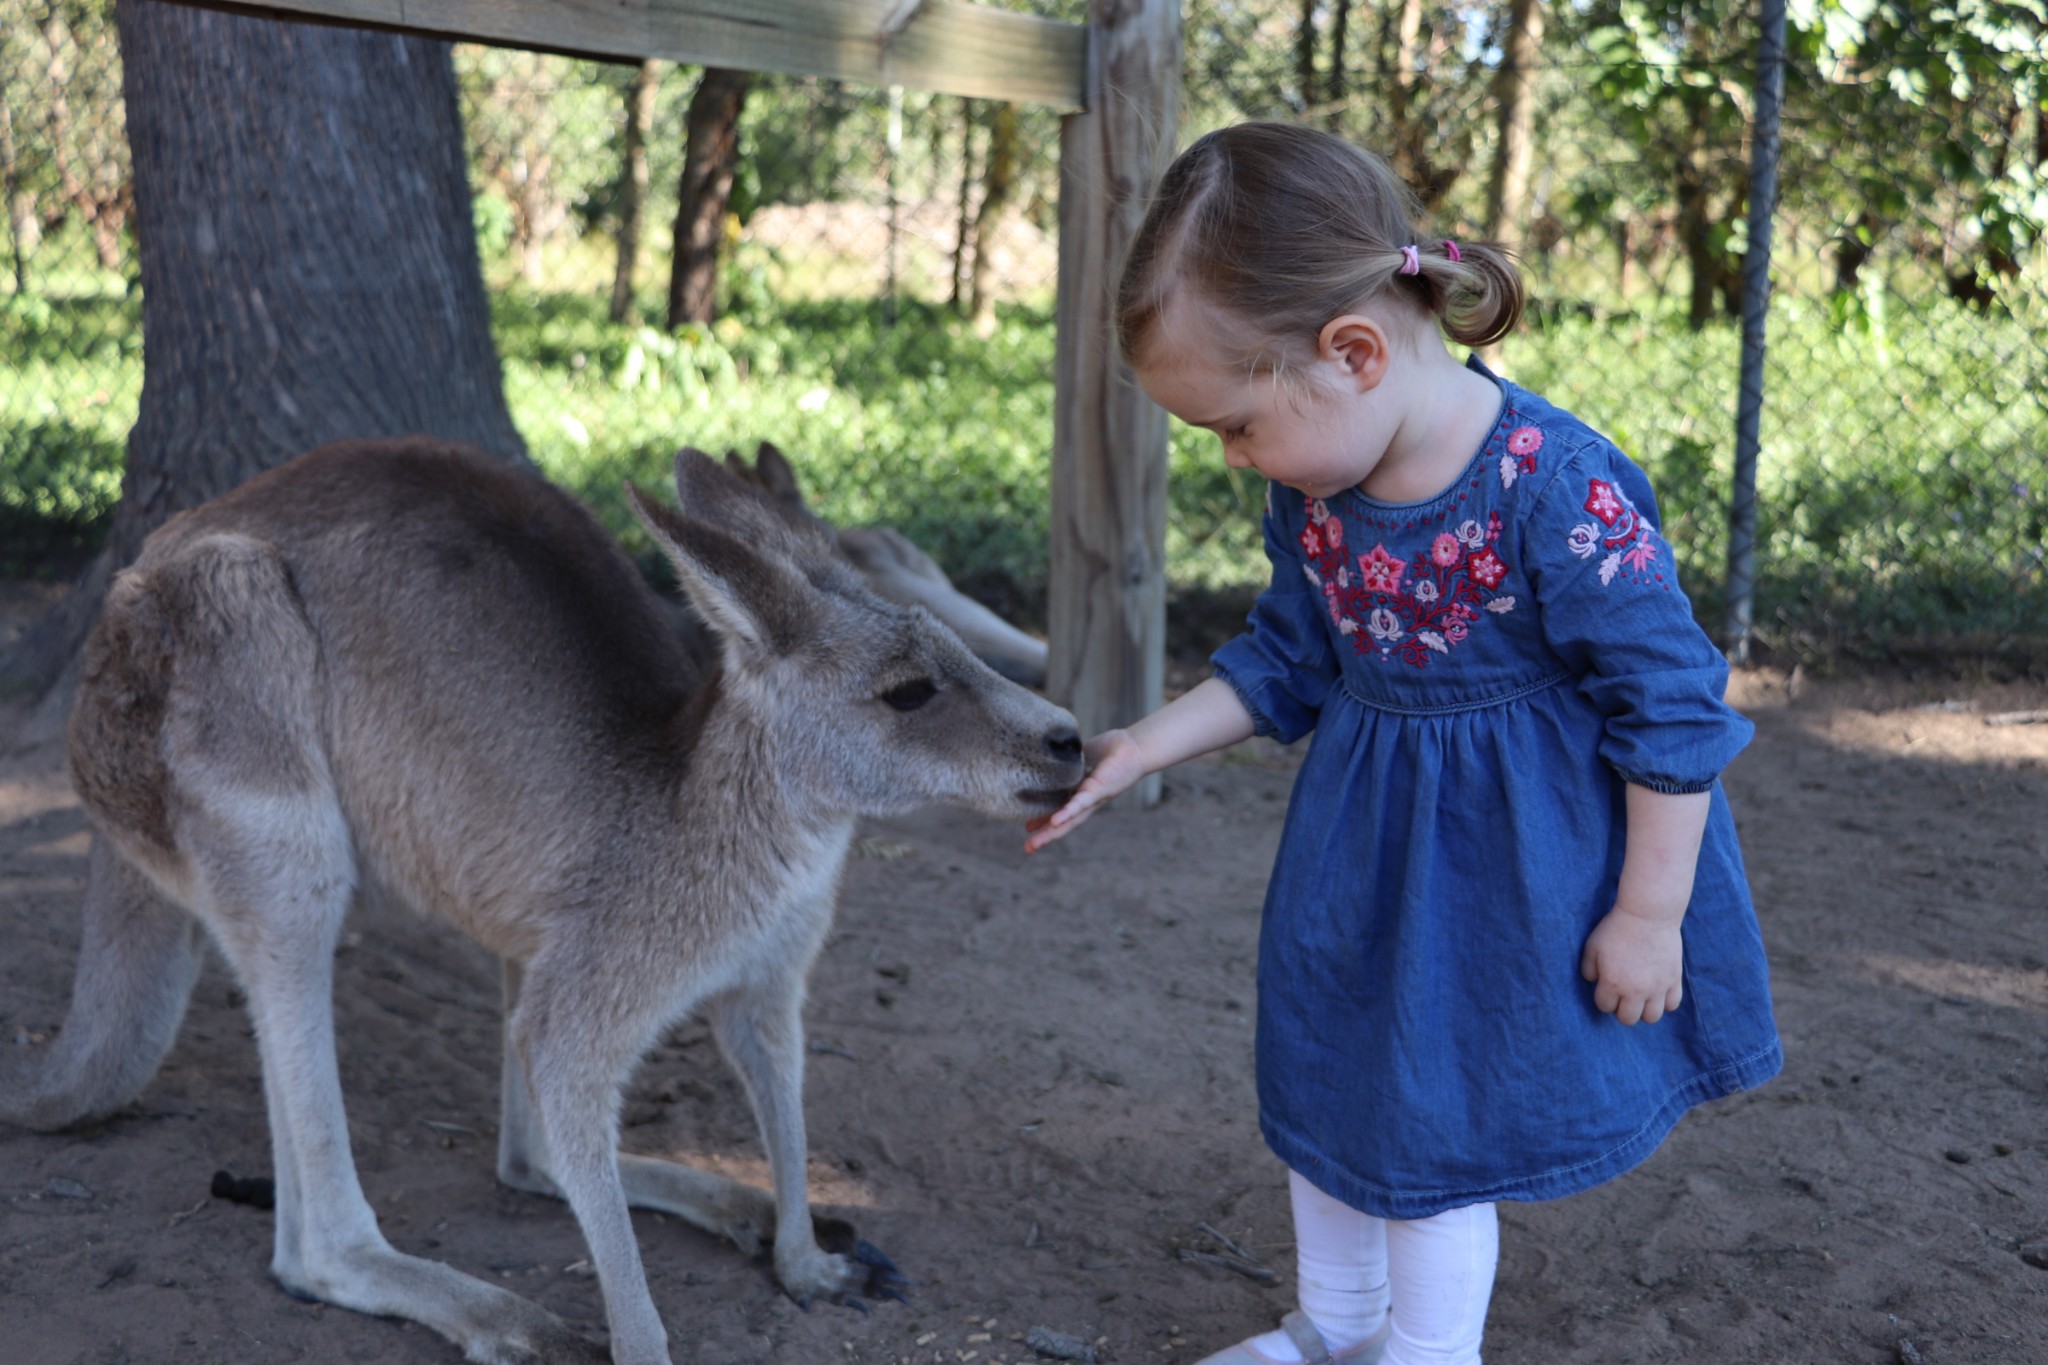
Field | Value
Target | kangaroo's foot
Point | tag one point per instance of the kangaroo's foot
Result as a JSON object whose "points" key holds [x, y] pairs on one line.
{"points": [[843, 1267], [493, 1326], [847, 1269]]}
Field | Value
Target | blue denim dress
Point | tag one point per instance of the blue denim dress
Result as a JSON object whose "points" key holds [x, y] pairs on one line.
{"points": [[1484, 672]]}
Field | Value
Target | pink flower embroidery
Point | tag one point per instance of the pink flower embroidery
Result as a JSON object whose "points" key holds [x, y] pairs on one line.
{"points": [[1603, 502], [1626, 538], [1414, 604], [1380, 571], [1525, 441], [1487, 569]]}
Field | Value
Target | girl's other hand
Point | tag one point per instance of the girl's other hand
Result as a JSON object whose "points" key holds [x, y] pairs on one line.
{"points": [[1636, 964], [1115, 763]]}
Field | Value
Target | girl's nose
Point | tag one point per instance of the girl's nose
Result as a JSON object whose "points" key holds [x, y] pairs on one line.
{"points": [[1236, 458]]}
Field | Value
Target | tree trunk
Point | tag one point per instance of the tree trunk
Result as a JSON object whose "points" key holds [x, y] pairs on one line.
{"points": [[996, 188], [22, 228], [1339, 84], [633, 182], [1705, 265], [1507, 193], [711, 151], [1624, 233], [964, 222], [1406, 150], [1305, 56], [309, 267]]}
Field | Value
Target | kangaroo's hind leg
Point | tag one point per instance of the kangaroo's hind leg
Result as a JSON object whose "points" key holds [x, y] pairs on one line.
{"points": [[248, 830]]}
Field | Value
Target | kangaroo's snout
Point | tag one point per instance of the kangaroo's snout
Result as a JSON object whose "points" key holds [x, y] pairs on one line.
{"points": [[1064, 743], [1067, 767]]}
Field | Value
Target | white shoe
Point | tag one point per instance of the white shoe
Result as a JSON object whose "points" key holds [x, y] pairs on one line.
{"points": [[1314, 1350]]}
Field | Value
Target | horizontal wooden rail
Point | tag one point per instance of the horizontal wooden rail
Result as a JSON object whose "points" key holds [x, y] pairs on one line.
{"points": [[943, 45]]}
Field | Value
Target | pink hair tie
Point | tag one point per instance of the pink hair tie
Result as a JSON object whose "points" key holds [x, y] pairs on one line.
{"points": [[1411, 261], [1451, 250]]}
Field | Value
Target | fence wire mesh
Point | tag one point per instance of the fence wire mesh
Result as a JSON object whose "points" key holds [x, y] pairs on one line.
{"points": [[875, 295]]}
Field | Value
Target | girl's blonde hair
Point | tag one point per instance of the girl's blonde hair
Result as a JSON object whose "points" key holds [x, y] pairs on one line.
{"points": [[1285, 227]]}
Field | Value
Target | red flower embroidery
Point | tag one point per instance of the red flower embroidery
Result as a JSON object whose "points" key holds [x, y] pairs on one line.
{"points": [[1380, 571], [1603, 502], [1487, 569], [1411, 609], [1525, 441]]}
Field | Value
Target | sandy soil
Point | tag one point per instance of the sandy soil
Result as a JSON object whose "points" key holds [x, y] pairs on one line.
{"points": [[1031, 1083]]}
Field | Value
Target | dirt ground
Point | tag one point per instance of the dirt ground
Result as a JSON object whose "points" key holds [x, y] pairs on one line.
{"points": [[1031, 1083]]}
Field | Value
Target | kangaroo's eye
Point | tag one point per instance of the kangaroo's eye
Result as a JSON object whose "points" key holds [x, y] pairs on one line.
{"points": [[911, 695]]}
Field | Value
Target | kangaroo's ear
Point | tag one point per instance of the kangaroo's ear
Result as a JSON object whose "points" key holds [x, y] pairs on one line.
{"points": [[755, 599], [775, 473], [708, 491]]}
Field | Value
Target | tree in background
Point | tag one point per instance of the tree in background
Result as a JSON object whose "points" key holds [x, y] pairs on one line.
{"points": [[633, 181], [309, 267], [710, 158], [1939, 136], [998, 183], [1514, 98]]}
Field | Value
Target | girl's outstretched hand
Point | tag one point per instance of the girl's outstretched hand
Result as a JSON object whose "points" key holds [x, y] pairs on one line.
{"points": [[1636, 964], [1115, 763]]}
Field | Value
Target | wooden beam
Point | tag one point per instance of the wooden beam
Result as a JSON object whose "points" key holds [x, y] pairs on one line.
{"points": [[1107, 599], [943, 45]]}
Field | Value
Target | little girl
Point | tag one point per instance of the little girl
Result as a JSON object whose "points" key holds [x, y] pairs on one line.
{"points": [[1508, 940]]}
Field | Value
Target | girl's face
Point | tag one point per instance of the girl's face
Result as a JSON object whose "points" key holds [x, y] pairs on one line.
{"points": [[1319, 433]]}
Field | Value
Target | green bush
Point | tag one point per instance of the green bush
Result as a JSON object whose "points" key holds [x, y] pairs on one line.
{"points": [[1903, 481]]}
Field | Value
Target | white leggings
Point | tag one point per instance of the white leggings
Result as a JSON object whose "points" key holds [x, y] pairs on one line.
{"points": [[1437, 1272]]}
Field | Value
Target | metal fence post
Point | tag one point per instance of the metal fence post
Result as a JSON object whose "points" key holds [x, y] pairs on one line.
{"points": [[1756, 304]]}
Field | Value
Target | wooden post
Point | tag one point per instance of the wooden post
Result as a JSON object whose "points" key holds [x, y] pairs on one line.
{"points": [[1107, 600]]}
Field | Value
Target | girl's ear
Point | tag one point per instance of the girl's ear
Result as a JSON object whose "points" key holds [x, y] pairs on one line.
{"points": [[1359, 345]]}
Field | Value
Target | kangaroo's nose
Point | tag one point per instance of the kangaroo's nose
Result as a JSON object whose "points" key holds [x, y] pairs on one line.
{"points": [[1064, 744]]}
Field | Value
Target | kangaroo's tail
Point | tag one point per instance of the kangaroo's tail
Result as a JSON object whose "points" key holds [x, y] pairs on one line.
{"points": [[138, 957]]}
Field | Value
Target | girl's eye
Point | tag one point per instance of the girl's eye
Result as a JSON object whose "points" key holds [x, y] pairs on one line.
{"points": [[911, 695], [1233, 433]]}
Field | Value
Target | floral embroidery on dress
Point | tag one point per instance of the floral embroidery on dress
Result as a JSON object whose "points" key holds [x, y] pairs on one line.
{"points": [[1409, 607], [1523, 443], [1621, 532]]}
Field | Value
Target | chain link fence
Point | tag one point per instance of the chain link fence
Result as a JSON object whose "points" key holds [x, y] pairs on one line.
{"points": [[875, 293]]}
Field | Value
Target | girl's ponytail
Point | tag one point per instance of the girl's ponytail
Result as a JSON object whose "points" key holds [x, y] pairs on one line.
{"points": [[1482, 295]]}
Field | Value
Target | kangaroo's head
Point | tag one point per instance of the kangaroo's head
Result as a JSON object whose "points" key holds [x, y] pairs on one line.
{"points": [[868, 707]]}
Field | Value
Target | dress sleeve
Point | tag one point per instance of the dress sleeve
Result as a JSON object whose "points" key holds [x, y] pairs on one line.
{"points": [[1608, 596], [1283, 665]]}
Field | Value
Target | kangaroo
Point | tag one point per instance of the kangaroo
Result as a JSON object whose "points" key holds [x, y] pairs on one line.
{"points": [[903, 573], [402, 669]]}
